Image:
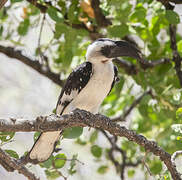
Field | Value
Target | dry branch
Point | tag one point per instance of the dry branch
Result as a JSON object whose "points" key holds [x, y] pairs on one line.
{"points": [[175, 155], [2, 3], [11, 164], [34, 64], [100, 18], [86, 119], [176, 56]]}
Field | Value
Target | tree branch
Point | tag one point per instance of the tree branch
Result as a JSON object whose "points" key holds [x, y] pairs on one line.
{"points": [[11, 164], [133, 105], [2, 3], [40, 6], [100, 18], [167, 2], [145, 64], [86, 119], [176, 56], [43, 8], [175, 155], [172, 33], [120, 167], [34, 64]]}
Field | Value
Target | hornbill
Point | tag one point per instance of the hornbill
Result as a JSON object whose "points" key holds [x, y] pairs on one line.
{"points": [[85, 88]]}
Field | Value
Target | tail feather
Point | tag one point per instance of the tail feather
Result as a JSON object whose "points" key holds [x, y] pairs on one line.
{"points": [[43, 147]]}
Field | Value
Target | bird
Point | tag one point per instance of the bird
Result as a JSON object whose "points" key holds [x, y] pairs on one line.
{"points": [[86, 88]]}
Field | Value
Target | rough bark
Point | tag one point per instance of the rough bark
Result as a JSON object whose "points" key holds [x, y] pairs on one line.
{"points": [[86, 119]]}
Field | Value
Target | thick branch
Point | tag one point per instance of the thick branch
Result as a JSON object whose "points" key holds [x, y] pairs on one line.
{"points": [[2, 3], [11, 164], [167, 2], [145, 64], [34, 64], [175, 155], [100, 18], [83, 118], [176, 1], [172, 33], [176, 56]]}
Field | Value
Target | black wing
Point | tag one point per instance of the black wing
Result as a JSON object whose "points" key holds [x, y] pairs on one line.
{"points": [[76, 81], [116, 78]]}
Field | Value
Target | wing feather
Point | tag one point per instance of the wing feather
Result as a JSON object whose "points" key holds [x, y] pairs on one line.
{"points": [[76, 81]]}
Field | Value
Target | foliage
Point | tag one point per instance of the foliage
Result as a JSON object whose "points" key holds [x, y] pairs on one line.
{"points": [[71, 28]]}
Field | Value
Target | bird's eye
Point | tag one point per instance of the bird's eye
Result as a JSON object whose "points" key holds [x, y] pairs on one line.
{"points": [[106, 50]]}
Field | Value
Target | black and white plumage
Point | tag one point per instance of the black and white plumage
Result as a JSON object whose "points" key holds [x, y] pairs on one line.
{"points": [[85, 88]]}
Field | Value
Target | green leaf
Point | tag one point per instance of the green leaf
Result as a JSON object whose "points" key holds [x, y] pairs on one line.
{"points": [[118, 30], [33, 10], [93, 136], [12, 153], [52, 174], [54, 111], [1, 30], [156, 167], [36, 135], [131, 173], [172, 17], [14, 1], [179, 113], [6, 136], [62, 5], [60, 29], [59, 160], [81, 142], [55, 14], [179, 44], [23, 27], [96, 151], [74, 132], [102, 169], [47, 164], [138, 15], [73, 12]]}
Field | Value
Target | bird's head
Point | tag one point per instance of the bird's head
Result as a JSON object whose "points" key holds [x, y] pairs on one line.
{"points": [[104, 49]]}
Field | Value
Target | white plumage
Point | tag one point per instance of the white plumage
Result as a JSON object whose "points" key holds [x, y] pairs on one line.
{"points": [[89, 98], [85, 88]]}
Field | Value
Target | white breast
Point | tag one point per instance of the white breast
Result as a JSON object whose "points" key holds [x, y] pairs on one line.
{"points": [[98, 87]]}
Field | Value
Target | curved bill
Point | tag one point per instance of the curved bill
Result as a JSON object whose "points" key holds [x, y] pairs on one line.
{"points": [[124, 48]]}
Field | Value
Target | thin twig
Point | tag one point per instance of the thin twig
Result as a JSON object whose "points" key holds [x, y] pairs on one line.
{"points": [[133, 105], [120, 167], [176, 56], [73, 159], [59, 172], [39, 41], [144, 163]]}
